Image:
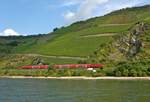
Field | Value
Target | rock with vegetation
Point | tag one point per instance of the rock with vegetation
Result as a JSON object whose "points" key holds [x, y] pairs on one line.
{"points": [[131, 48]]}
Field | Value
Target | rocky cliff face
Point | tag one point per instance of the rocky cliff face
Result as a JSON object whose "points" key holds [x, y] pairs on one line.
{"points": [[131, 44]]}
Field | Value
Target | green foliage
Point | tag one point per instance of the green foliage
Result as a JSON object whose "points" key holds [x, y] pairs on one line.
{"points": [[55, 29], [82, 62], [51, 72], [15, 61], [132, 69]]}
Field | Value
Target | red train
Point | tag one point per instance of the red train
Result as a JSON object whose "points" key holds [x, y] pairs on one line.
{"points": [[64, 66], [35, 67]]}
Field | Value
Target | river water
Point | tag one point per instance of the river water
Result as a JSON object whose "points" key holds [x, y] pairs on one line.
{"points": [[52, 90]]}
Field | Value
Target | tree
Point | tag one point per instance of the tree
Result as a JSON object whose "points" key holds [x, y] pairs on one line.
{"points": [[55, 29]]}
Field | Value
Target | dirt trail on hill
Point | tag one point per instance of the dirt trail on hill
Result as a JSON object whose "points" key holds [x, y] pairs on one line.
{"points": [[105, 25], [60, 57], [100, 35], [104, 34]]}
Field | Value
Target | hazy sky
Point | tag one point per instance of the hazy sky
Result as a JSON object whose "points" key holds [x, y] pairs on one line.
{"points": [[24, 17]]}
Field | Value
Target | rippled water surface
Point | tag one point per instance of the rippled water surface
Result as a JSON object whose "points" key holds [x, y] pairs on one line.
{"points": [[49, 90]]}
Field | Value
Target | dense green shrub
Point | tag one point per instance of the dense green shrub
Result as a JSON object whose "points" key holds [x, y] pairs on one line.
{"points": [[132, 69]]}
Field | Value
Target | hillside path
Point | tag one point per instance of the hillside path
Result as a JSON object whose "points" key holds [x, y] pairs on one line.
{"points": [[100, 35], [59, 57], [105, 25]]}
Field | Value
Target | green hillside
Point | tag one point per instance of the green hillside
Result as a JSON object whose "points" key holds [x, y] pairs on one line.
{"points": [[73, 40], [128, 54], [91, 39]]}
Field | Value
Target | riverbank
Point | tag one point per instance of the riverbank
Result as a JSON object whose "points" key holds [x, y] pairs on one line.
{"points": [[79, 77]]}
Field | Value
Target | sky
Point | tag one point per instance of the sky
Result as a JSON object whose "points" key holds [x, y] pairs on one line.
{"points": [[29, 17]]}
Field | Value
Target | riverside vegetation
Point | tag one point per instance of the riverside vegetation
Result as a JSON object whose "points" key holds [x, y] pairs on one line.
{"points": [[120, 40]]}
